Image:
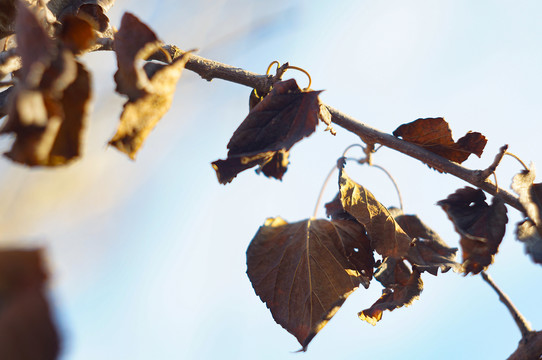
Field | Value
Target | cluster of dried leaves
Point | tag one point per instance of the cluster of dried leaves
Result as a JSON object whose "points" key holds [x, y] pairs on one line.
{"points": [[47, 105], [303, 271]]}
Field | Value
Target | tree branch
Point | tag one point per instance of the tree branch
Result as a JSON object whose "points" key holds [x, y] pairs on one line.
{"points": [[521, 322], [209, 70]]}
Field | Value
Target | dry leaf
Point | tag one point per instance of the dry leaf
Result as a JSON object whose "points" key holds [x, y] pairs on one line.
{"points": [[49, 103], [428, 252], [77, 34], [481, 226], [403, 286], [150, 89], [387, 237], [527, 233], [304, 271], [280, 120], [27, 331], [435, 135], [139, 117], [530, 196], [133, 42]]}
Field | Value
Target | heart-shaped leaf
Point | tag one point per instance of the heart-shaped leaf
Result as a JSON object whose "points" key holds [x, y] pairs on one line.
{"points": [[304, 271]]}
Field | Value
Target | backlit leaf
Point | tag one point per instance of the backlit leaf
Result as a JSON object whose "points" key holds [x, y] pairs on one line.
{"points": [[150, 89], [427, 251], [48, 105], [530, 196], [27, 330], [304, 271], [481, 226], [403, 286], [435, 135], [387, 237], [284, 117]]}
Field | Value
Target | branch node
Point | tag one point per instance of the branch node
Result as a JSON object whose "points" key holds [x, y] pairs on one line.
{"points": [[484, 174]]}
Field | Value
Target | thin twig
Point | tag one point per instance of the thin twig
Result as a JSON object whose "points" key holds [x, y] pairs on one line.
{"points": [[521, 322]]}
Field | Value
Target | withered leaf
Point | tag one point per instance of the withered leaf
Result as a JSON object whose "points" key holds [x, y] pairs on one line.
{"points": [[133, 42], [48, 106], [435, 135], [149, 89], [428, 252], [527, 233], [77, 34], [403, 286], [530, 196], [141, 115], [27, 330], [387, 237], [481, 226], [304, 271], [284, 117]]}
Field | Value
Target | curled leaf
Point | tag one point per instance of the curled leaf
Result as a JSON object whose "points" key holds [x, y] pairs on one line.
{"points": [[150, 89], [48, 106], [403, 286], [387, 237], [481, 226], [284, 117], [434, 134], [304, 271], [530, 196], [428, 252], [527, 233], [133, 42]]}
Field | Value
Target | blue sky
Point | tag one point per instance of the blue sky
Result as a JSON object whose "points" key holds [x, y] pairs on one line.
{"points": [[148, 257]]}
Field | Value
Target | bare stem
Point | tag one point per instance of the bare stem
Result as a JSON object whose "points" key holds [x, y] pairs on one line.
{"points": [[521, 322]]}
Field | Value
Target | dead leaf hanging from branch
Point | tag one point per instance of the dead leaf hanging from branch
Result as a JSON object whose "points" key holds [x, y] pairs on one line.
{"points": [[150, 89], [304, 271], [481, 226], [435, 135], [284, 116]]}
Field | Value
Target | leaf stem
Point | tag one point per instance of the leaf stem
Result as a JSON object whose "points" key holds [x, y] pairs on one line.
{"points": [[324, 185], [521, 322], [518, 159]]}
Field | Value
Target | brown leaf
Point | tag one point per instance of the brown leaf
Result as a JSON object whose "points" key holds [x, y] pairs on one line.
{"points": [[527, 233], [77, 34], [304, 271], [26, 328], [530, 196], [428, 252], [280, 120], [7, 17], [481, 226], [403, 286], [387, 237], [48, 105], [141, 115], [133, 42], [435, 135]]}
